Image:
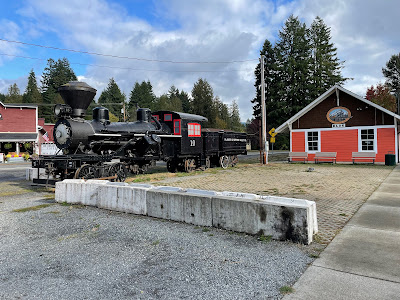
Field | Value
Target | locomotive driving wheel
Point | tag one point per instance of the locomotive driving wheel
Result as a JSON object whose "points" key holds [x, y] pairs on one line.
{"points": [[233, 160], [119, 170], [224, 161], [86, 172], [190, 165]]}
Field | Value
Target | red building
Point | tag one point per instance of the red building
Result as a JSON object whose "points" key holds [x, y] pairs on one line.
{"points": [[20, 129], [343, 122]]}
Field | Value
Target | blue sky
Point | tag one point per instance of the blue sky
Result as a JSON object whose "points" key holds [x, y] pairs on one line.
{"points": [[364, 31]]}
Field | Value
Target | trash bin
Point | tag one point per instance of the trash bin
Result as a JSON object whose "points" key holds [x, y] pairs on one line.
{"points": [[390, 159]]}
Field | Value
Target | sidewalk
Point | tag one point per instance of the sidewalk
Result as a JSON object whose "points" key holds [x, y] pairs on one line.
{"points": [[363, 260]]}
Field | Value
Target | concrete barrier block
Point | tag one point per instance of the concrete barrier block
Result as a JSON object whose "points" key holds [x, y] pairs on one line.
{"points": [[179, 206], [69, 191], [91, 191], [255, 217], [124, 197]]}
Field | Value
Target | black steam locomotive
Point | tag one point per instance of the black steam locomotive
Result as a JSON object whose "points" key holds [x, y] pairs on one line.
{"points": [[103, 149]]}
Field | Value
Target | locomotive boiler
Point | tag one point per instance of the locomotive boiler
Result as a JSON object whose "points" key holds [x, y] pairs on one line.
{"points": [[75, 135]]}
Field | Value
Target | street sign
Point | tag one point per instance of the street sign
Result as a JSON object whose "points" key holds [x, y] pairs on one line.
{"points": [[272, 140], [272, 133]]}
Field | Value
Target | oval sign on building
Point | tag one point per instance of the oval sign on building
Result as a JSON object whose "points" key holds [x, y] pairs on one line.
{"points": [[338, 115]]}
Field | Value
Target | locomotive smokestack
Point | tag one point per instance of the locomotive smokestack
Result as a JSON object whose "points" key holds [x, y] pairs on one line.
{"points": [[78, 95]]}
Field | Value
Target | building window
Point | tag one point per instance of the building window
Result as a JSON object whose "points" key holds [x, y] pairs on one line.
{"points": [[312, 140], [194, 129], [367, 140], [167, 117], [177, 127]]}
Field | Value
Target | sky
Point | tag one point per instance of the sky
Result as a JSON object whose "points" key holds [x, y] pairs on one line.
{"points": [[176, 42]]}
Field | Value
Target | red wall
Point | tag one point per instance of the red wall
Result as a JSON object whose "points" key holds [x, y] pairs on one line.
{"points": [[344, 142], [17, 119], [386, 142]]}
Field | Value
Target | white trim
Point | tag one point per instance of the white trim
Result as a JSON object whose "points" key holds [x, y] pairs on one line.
{"points": [[375, 139], [345, 128], [322, 98], [306, 140]]}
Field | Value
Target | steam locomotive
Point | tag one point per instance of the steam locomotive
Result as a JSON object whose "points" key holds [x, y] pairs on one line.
{"points": [[102, 149]]}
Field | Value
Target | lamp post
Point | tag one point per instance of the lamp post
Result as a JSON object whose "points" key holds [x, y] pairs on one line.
{"points": [[263, 144]]}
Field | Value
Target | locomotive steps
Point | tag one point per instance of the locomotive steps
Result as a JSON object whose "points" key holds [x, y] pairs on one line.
{"points": [[278, 217]]}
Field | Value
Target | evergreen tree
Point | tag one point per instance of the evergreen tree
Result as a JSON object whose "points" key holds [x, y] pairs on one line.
{"points": [[222, 119], [235, 117], [54, 75], [2, 97], [32, 94], [293, 66], [202, 101], [326, 67], [392, 74], [112, 98], [13, 95], [142, 95], [185, 101]]}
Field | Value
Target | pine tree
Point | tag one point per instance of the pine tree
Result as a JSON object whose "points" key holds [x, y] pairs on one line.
{"points": [[32, 94], [202, 101], [293, 66], [185, 100], [222, 119], [392, 74], [235, 117], [54, 75], [112, 98], [142, 95], [13, 95], [326, 67]]}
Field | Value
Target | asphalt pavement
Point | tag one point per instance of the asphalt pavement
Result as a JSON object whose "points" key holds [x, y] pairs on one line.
{"points": [[13, 171], [363, 260]]}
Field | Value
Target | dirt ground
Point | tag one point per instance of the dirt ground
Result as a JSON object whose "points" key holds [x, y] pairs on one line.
{"points": [[339, 190]]}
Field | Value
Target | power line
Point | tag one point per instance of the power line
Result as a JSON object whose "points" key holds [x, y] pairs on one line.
{"points": [[127, 57], [134, 69]]}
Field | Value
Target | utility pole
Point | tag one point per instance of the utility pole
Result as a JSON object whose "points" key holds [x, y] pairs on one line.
{"points": [[263, 143]]}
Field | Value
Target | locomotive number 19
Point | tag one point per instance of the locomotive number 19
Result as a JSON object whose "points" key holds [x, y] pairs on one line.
{"points": [[192, 143]]}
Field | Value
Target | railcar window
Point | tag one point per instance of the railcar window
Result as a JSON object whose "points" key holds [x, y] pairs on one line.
{"points": [[177, 127], [194, 129], [157, 117], [167, 117]]}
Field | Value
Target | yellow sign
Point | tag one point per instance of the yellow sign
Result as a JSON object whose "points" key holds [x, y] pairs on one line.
{"points": [[272, 133], [272, 140]]}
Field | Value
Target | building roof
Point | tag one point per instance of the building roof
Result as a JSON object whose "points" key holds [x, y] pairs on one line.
{"points": [[25, 105], [18, 137], [321, 98]]}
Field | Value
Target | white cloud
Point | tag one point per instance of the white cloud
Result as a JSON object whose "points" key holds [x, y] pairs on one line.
{"points": [[365, 33]]}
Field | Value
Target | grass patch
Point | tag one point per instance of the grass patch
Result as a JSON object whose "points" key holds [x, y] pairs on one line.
{"points": [[55, 212], [265, 238], [155, 243], [32, 208], [343, 215], [286, 290], [205, 230]]}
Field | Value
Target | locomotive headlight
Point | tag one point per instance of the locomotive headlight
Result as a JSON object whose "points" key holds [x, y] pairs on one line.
{"points": [[62, 110]]}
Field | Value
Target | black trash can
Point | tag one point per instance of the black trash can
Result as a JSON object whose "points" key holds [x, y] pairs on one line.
{"points": [[390, 159]]}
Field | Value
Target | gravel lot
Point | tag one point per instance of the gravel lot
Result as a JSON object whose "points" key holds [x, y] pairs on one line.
{"points": [[77, 252]]}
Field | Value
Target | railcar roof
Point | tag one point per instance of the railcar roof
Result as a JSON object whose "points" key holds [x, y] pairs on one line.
{"points": [[184, 116]]}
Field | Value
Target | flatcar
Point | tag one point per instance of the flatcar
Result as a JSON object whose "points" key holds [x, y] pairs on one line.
{"points": [[99, 148]]}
